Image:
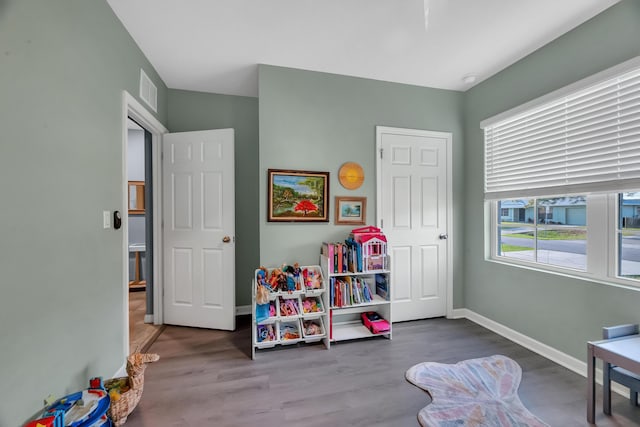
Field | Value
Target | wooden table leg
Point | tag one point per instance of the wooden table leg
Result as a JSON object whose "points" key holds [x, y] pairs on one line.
{"points": [[136, 279], [591, 384], [137, 267]]}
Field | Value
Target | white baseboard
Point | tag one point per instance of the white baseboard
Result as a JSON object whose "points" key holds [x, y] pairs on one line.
{"points": [[148, 318], [562, 359], [458, 313], [242, 310]]}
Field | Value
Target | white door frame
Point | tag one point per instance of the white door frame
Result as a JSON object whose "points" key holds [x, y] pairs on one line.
{"points": [[450, 228], [135, 110]]}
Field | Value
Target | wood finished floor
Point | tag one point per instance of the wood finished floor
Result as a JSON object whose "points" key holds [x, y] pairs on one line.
{"points": [[207, 378], [141, 335]]}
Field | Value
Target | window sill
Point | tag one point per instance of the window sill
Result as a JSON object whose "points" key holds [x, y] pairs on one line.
{"points": [[569, 273]]}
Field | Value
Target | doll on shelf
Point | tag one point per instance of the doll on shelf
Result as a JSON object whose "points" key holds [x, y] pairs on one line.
{"points": [[311, 278]]}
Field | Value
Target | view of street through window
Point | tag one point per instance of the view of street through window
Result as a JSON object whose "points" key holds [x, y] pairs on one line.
{"points": [[554, 231]]}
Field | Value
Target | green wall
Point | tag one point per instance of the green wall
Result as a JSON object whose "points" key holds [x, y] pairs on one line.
{"points": [[191, 111], [64, 65], [317, 121], [558, 311]]}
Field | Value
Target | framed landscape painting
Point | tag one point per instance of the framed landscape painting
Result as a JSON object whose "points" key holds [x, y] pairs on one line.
{"points": [[297, 196], [351, 210]]}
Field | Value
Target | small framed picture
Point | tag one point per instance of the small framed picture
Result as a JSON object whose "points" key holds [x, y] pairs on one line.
{"points": [[351, 210]]}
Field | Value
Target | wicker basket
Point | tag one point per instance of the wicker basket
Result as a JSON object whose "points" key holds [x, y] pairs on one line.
{"points": [[125, 392]]}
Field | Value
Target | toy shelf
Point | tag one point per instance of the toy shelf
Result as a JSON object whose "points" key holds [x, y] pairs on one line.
{"points": [[353, 330], [304, 306], [344, 321], [357, 308]]}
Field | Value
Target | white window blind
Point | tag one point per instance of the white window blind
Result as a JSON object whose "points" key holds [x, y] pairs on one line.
{"points": [[585, 141]]}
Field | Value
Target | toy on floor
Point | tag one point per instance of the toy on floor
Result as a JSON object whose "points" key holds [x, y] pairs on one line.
{"points": [[125, 392], [86, 408]]}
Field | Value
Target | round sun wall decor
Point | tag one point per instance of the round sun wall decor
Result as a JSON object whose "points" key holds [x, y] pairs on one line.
{"points": [[351, 175]]}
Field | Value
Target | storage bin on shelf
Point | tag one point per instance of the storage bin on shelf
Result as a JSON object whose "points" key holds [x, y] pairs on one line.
{"points": [[290, 332], [312, 281], [269, 312], [312, 306], [267, 335], [313, 329], [289, 307], [287, 279]]}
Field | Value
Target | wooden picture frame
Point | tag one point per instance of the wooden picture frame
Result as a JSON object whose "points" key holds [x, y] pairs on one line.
{"points": [[350, 210], [136, 197], [297, 196]]}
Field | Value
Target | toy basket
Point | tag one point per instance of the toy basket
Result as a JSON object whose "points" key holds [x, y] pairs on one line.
{"points": [[125, 392]]}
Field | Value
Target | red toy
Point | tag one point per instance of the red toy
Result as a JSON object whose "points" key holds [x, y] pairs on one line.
{"points": [[375, 323]]}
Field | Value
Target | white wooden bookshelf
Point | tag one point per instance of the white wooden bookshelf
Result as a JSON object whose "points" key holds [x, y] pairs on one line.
{"points": [[344, 321]]}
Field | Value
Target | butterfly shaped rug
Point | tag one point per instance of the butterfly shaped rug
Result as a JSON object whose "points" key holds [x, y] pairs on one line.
{"points": [[472, 393]]}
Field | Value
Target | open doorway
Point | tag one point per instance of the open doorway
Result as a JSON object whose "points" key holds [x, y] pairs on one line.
{"points": [[132, 109], [142, 331]]}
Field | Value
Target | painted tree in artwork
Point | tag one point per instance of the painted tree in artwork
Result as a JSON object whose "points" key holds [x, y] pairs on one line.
{"points": [[316, 185], [305, 206]]}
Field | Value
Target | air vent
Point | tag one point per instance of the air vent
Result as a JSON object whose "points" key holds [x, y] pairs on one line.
{"points": [[148, 91]]}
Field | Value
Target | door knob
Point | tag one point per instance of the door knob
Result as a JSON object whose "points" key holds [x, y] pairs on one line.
{"points": [[444, 236], [226, 239]]}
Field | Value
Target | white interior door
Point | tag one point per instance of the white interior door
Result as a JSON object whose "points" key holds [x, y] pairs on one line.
{"points": [[414, 199], [199, 227]]}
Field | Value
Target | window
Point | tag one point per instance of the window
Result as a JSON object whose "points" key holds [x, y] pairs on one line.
{"points": [[538, 237], [562, 179], [629, 235]]}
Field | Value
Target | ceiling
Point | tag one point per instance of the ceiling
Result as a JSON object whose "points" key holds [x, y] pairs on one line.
{"points": [[215, 45]]}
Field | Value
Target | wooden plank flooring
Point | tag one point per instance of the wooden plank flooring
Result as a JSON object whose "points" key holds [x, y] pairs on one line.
{"points": [[207, 378], [141, 335]]}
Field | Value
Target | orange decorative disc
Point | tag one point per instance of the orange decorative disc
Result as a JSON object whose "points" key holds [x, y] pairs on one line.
{"points": [[351, 175]]}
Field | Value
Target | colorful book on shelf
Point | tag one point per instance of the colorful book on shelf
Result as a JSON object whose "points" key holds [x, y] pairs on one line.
{"points": [[332, 283], [366, 290], [382, 288], [352, 263], [356, 293], [327, 250], [344, 258]]}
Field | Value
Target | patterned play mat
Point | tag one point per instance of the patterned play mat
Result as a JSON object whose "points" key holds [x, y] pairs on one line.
{"points": [[476, 392]]}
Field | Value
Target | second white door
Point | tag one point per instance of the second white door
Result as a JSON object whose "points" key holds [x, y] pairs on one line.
{"points": [[414, 199], [199, 228]]}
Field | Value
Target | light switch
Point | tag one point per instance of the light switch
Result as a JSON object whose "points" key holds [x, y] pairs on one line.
{"points": [[106, 219]]}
